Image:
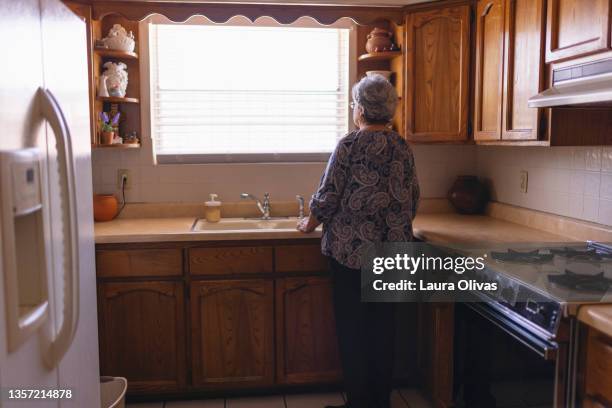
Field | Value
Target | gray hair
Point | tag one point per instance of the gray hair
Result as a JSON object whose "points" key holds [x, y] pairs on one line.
{"points": [[377, 97]]}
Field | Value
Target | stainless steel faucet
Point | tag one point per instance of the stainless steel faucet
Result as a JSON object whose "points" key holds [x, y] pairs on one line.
{"points": [[300, 200], [264, 206]]}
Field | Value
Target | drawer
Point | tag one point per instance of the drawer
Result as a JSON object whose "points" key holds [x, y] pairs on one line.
{"points": [[139, 262], [599, 366], [300, 258], [230, 260]]}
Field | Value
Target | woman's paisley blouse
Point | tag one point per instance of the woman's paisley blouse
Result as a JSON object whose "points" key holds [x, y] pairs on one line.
{"points": [[369, 193]]}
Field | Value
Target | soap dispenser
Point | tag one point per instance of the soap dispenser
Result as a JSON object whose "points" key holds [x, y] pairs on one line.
{"points": [[213, 209]]}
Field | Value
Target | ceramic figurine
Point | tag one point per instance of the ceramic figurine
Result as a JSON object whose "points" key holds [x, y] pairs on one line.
{"points": [[102, 89], [116, 78], [119, 39]]}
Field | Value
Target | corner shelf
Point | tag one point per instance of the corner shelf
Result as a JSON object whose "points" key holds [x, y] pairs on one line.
{"points": [[107, 52], [116, 99], [380, 56], [116, 146]]}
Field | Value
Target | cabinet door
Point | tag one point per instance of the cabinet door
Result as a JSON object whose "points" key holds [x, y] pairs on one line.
{"points": [[307, 349], [142, 334], [437, 72], [489, 69], [577, 27], [232, 333], [436, 330], [523, 68]]}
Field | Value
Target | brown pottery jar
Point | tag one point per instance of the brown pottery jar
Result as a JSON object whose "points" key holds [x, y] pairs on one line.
{"points": [[468, 195], [379, 40], [105, 207]]}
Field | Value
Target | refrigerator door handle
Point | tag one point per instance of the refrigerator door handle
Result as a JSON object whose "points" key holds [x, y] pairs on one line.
{"points": [[57, 343]]}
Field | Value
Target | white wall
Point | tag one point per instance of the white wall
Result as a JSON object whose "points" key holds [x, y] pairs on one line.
{"points": [[437, 167], [570, 181]]}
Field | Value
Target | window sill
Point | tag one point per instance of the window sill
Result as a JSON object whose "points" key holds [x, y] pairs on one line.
{"points": [[247, 158]]}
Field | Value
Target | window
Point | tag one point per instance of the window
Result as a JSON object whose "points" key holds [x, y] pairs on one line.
{"points": [[224, 93]]}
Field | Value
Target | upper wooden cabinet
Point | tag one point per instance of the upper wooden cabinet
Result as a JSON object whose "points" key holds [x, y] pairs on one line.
{"points": [[523, 68], [509, 69], [576, 28], [437, 74], [489, 70]]}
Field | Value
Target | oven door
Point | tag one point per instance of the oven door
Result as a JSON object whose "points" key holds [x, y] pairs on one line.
{"points": [[545, 348]]}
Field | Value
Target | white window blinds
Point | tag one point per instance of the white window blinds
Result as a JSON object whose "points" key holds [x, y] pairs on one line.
{"points": [[247, 94]]}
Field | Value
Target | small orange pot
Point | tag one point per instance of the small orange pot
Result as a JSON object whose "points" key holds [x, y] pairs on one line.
{"points": [[106, 138], [105, 207]]}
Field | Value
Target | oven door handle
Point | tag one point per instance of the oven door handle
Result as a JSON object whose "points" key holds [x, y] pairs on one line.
{"points": [[546, 349]]}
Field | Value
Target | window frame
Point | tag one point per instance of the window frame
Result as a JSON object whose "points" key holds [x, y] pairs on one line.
{"points": [[147, 93]]}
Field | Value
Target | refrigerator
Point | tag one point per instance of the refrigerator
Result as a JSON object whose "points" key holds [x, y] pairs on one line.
{"points": [[48, 316]]}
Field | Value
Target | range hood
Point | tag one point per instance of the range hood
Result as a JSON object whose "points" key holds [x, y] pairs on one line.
{"points": [[588, 84]]}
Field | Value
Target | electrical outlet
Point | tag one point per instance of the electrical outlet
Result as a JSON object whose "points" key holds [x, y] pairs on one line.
{"points": [[123, 174], [524, 181]]}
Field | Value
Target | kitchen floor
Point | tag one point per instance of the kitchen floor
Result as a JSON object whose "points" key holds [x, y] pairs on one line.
{"points": [[400, 399]]}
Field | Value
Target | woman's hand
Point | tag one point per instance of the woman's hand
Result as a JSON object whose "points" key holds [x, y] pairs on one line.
{"points": [[307, 224]]}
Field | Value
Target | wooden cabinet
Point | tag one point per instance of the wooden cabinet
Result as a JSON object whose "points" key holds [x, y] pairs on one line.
{"points": [[598, 370], [437, 74], [523, 68], [142, 334], [230, 260], [305, 331], [489, 70], [143, 262], [300, 258], [232, 333], [576, 28], [436, 327], [509, 69]]}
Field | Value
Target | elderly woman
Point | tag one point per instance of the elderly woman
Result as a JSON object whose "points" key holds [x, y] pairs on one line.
{"points": [[368, 194]]}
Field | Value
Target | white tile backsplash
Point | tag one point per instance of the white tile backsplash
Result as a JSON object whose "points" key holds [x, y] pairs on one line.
{"points": [[569, 181], [437, 167]]}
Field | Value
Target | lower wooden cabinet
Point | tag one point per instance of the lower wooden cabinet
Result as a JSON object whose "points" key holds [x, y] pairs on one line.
{"points": [[436, 322], [596, 370], [306, 348], [232, 333], [142, 332]]}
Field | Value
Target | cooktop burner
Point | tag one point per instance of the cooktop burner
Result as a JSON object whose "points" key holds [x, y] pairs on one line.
{"points": [[577, 281], [588, 254], [512, 255]]}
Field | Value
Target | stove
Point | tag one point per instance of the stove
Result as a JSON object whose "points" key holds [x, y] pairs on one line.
{"points": [[538, 282], [539, 287]]}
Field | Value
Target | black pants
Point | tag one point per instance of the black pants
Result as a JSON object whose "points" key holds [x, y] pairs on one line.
{"points": [[366, 333]]}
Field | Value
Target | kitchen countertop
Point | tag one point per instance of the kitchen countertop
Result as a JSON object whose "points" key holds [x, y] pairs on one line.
{"points": [[435, 228], [451, 228], [597, 316], [138, 230]]}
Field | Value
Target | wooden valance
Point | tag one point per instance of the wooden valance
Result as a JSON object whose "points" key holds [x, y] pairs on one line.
{"points": [[222, 12]]}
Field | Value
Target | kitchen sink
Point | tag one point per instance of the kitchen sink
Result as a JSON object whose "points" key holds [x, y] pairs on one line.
{"points": [[242, 224]]}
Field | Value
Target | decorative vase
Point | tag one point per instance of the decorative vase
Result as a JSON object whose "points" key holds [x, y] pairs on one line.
{"points": [[468, 195], [379, 40], [384, 74], [106, 138], [116, 78], [105, 207]]}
